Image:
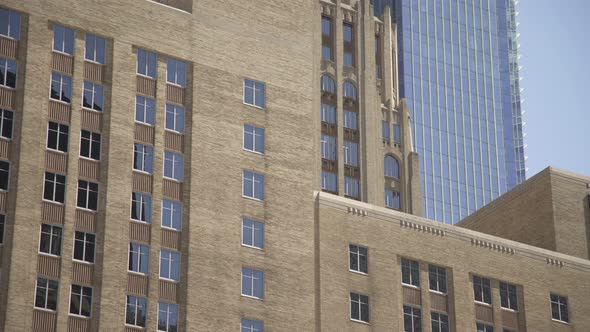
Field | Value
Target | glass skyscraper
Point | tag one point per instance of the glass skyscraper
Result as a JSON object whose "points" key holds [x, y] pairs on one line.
{"points": [[458, 71]]}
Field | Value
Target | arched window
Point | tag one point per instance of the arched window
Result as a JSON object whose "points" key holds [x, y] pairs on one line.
{"points": [[391, 167], [349, 90], [328, 84]]}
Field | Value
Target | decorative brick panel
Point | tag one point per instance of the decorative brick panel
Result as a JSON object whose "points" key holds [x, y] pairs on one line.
{"points": [[168, 291], [438, 302], [144, 133], [93, 71], [173, 141], [78, 324], [351, 135], [85, 221], [146, 86], [43, 321], [8, 47], [142, 182], [172, 189], [139, 232], [412, 296], [59, 111], [3, 198], [55, 161], [170, 239], [484, 313], [137, 284], [52, 213], [352, 171], [175, 94], [82, 273], [329, 129], [133, 329], [510, 319], [48, 266], [89, 169], [329, 165], [5, 149], [7, 98], [62, 62], [91, 120]]}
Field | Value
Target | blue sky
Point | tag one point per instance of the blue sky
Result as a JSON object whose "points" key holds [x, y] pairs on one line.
{"points": [[555, 49]]}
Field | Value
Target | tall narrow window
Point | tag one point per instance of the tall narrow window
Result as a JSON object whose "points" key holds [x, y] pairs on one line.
{"points": [[7, 72], [482, 290], [253, 185], [46, 294], [146, 63], [253, 138], [57, 136], [173, 165], [81, 300], [143, 158], [176, 72], [4, 175], [87, 195], [328, 113], [410, 272], [6, 121], [348, 35], [95, 49], [251, 325], [167, 317], [139, 258], [171, 214], [508, 298], [326, 26], [141, 207], [412, 319], [328, 84], [252, 233], [136, 313], [351, 187], [349, 90], [54, 187], [385, 130], [89, 145], [392, 199], [9, 23], [328, 147], [50, 240], [84, 246], [327, 38], [437, 277], [169, 264], [2, 227], [559, 309], [93, 96], [175, 118], [252, 283], [351, 120], [254, 93], [397, 133], [358, 258], [61, 87], [439, 322], [329, 181], [145, 110], [63, 39], [377, 57], [391, 166], [351, 153], [359, 307]]}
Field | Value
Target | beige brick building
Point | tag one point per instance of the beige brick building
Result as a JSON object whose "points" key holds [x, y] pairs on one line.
{"points": [[239, 166]]}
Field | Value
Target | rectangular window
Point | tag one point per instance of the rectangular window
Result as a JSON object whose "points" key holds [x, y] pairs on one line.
{"points": [[439, 322], [146, 63], [95, 48], [252, 233], [392, 199], [8, 73], [351, 120], [81, 300], [167, 317], [175, 117], [508, 298], [328, 147], [87, 195], [46, 294], [4, 175], [326, 26], [89, 145], [359, 307], [63, 39], [139, 258], [251, 325], [254, 93], [171, 214], [143, 158], [377, 57], [410, 272], [145, 110], [326, 52], [50, 240], [169, 264], [481, 327], [351, 187], [9, 23], [348, 59], [136, 311], [6, 121], [437, 277], [385, 130], [173, 166], [351, 153], [2, 227], [57, 136], [397, 133], [61, 87], [412, 319], [176, 72], [253, 138], [347, 32], [54, 187], [252, 283], [328, 113], [253, 185], [358, 258], [481, 289], [93, 96], [84, 247], [559, 309], [329, 181], [141, 207]]}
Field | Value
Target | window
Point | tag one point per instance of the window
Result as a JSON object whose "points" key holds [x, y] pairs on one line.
{"points": [[351, 153], [93, 96], [54, 187], [61, 87], [253, 185], [327, 38], [326, 26], [2, 226], [412, 319], [391, 166], [46, 294], [9, 23], [170, 265], [145, 110], [358, 258], [254, 93], [63, 39], [559, 308], [437, 277], [508, 297], [167, 317], [252, 233], [326, 52], [252, 283], [439, 322], [4, 175], [146, 63], [95, 48], [50, 241], [349, 91], [8, 73], [57, 136], [328, 84], [347, 32], [385, 129], [253, 138], [136, 311], [6, 120], [84, 247], [171, 214], [87, 195], [141, 207], [139, 258], [143, 158], [348, 59], [481, 327], [89, 144], [329, 181], [392, 199], [328, 113], [377, 57], [81, 300], [351, 120], [359, 307], [481, 289], [351, 187], [173, 165], [397, 133], [251, 325], [175, 117], [328, 147], [176, 72], [410, 272]]}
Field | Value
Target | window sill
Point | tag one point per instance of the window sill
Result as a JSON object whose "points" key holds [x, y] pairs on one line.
{"points": [[144, 124], [80, 316], [7, 139], [8, 87], [141, 274], [437, 292], [140, 222], [45, 309], [483, 304], [359, 272], [253, 297], [169, 280], [137, 327], [252, 247], [169, 228], [56, 151], [145, 76], [508, 309], [142, 172], [560, 321], [91, 110], [172, 179], [359, 321], [86, 209], [93, 62], [253, 198], [48, 255], [90, 159], [253, 151], [62, 53], [172, 131], [255, 106], [53, 202], [82, 262], [175, 85], [60, 101]]}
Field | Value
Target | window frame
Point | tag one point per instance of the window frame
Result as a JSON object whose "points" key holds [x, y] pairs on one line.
{"points": [[485, 285], [88, 190], [251, 328], [95, 89], [8, 173], [437, 277], [176, 82], [95, 53], [136, 306], [439, 321], [559, 304], [413, 315], [146, 115], [358, 257], [147, 63], [252, 283], [168, 314], [254, 181], [483, 327], [2, 228], [85, 242], [413, 284], [166, 160], [170, 260], [146, 151], [54, 191], [82, 288], [254, 89], [253, 233], [505, 294], [172, 214], [12, 14], [360, 307], [349, 182], [64, 40], [3, 119], [255, 133], [59, 134], [51, 235], [148, 216], [47, 288], [7, 64], [91, 144], [175, 115], [140, 252], [62, 77], [393, 195]]}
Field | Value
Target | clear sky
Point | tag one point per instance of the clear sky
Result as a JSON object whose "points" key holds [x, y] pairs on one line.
{"points": [[555, 50]]}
